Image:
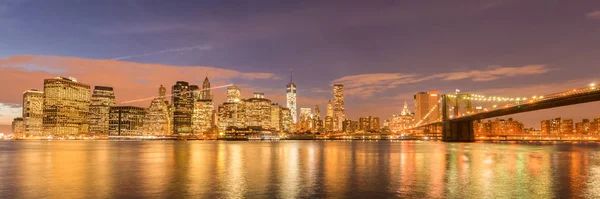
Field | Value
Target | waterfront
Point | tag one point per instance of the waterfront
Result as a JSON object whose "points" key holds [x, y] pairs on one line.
{"points": [[297, 169]]}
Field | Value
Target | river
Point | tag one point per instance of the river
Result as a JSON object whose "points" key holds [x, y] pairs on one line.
{"points": [[297, 169]]}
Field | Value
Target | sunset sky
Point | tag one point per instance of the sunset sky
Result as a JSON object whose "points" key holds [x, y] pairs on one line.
{"points": [[382, 51]]}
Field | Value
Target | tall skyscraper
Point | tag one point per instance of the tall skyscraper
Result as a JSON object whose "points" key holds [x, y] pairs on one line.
{"points": [[399, 123], [339, 114], [102, 99], [328, 120], [66, 107], [158, 120], [183, 104], [202, 116], [291, 98], [205, 92], [232, 112], [276, 116], [33, 112], [286, 120], [427, 102]]}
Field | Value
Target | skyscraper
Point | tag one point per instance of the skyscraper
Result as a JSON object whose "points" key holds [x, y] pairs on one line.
{"points": [[205, 93], [18, 127], [183, 104], [66, 107], [328, 120], [126, 120], [317, 121], [291, 99], [158, 120], [102, 99], [305, 122], [233, 94], [427, 103], [286, 120], [33, 110], [339, 114], [399, 123], [258, 111], [202, 116], [276, 116]]}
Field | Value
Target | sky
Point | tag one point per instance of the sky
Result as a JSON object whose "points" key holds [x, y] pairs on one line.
{"points": [[383, 51]]}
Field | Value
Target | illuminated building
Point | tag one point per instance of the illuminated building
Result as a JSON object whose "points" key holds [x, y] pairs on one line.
{"points": [[258, 111], [585, 127], [426, 103], [482, 128], [375, 124], [158, 120], [339, 114], [364, 123], [66, 107], [286, 120], [349, 126], [232, 112], [291, 99], [102, 99], [328, 124], [399, 123], [545, 127], [276, 117], [507, 127], [316, 121], [566, 126], [18, 127], [305, 122], [233, 94], [205, 92], [126, 121], [202, 114], [596, 125], [328, 120], [33, 112], [183, 105]]}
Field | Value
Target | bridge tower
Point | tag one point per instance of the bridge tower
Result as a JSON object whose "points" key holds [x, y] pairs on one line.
{"points": [[455, 130]]}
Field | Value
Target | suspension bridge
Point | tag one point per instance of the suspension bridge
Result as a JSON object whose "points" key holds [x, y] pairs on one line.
{"points": [[457, 112]]}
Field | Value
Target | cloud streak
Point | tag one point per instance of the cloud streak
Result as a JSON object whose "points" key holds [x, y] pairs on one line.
{"points": [[593, 15], [181, 49], [366, 85]]}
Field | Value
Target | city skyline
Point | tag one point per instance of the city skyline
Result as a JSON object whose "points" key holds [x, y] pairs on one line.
{"points": [[381, 72]]}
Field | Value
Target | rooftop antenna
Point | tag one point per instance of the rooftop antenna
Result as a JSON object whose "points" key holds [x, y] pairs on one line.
{"points": [[291, 75]]}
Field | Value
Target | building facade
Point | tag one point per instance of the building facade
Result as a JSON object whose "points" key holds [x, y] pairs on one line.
{"points": [[33, 112], [339, 113], [403, 121], [426, 107], [183, 104], [258, 111], [66, 107], [102, 99], [291, 100], [18, 127], [158, 118], [126, 121]]}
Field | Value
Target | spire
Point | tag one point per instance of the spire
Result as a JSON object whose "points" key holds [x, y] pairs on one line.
{"points": [[405, 110], [291, 75]]}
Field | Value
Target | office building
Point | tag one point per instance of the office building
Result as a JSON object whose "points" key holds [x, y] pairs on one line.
{"points": [[183, 105], [18, 127], [33, 112], [339, 114], [291, 99], [126, 121], [66, 107], [158, 119], [427, 109], [258, 111], [102, 99]]}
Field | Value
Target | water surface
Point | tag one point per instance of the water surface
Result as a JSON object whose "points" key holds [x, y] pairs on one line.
{"points": [[297, 169]]}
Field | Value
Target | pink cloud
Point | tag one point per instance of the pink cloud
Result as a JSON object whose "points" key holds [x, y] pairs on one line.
{"points": [[366, 85], [131, 80], [593, 15]]}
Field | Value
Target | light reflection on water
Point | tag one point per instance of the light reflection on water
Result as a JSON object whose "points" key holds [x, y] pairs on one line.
{"points": [[297, 169]]}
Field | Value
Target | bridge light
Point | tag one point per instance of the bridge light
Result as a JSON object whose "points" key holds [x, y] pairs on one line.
{"points": [[592, 84]]}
